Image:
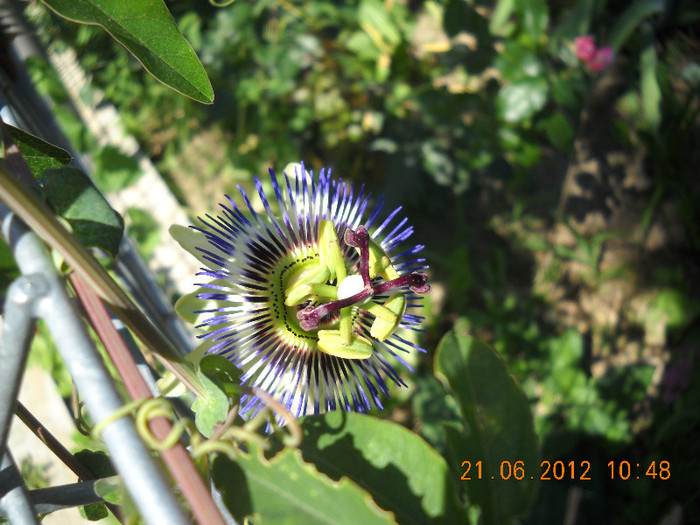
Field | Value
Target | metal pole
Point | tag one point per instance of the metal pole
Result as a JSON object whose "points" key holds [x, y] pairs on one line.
{"points": [[14, 497], [17, 329], [143, 479]]}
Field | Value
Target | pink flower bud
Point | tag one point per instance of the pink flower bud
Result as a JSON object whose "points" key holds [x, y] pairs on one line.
{"points": [[602, 59], [585, 48]]}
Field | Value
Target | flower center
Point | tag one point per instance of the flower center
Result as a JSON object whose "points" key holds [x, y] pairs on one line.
{"points": [[326, 288]]}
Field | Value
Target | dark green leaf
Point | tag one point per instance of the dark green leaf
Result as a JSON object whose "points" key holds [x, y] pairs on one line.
{"points": [[147, 30], [460, 16], [559, 131], [94, 512], [97, 462], [499, 426], [402, 472], [287, 490], [632, 17], [222, 371], [73, 196], [37, 153]]}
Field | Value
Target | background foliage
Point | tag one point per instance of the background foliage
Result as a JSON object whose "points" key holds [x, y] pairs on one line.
{"points": [[558, 205]]}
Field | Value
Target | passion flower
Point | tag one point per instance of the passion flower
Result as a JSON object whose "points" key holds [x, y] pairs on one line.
{"points": [[311, 296]]}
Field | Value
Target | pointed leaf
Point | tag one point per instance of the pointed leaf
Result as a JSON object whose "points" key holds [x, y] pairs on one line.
{"points": [[403, 472], [147, 30], [37, 153], [499, 426], [287, 490]]}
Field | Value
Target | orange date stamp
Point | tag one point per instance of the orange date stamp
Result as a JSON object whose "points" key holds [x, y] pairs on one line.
{"points": [[565, 470]]}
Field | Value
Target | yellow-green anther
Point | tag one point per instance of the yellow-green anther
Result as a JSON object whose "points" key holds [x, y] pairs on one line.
{"points": [[330, 254], [307, 273], [329, 342], [383, 326], [302, 292], [300, 283], [324, 291], [380, 311], [379, 263], [297, 294]]}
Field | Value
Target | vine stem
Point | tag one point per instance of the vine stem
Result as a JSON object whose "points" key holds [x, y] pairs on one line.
{"points": [[41, 220], [175, 458], [61, 452]]}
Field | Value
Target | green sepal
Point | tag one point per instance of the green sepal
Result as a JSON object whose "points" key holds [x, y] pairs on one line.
{"points": [[383, 325], [329, 342]]}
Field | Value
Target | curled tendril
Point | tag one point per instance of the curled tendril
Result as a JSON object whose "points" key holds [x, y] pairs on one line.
{"points": [[226, 436], [81, 424]]}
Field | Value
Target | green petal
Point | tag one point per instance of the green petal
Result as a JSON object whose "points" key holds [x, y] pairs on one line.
{"points": [[189, 239]]}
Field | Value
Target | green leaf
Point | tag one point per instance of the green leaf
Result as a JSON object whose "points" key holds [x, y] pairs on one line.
{"points": [[649, 83], [630, 19], [559, 131], [222, 371], [37, 153], [460, 16], [148, 31], [98, 463], [212, 408], [114, 170], [94, 511], [110, 489], [372, 14], [517, 62], [535, 19], [73, 196], [499, 426], [521, 100], [501, 16], [287, 490], [403, 473]]}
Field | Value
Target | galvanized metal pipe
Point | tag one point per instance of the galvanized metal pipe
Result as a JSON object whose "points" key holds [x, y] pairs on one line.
{"points": [[14, 497], [17, 330]]}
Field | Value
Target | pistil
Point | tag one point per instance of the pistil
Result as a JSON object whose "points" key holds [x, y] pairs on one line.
{"points": [[310, 317]]}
